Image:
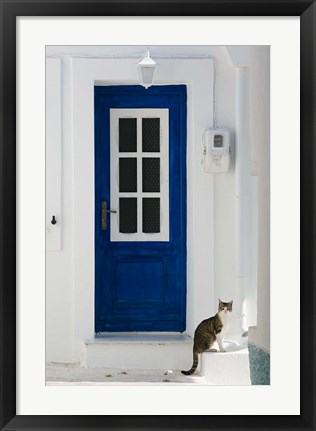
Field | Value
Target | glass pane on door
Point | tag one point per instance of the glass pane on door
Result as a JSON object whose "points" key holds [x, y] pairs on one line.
{"points": [[128, 215], [151, 215], [151, 134], [151, 175], [127, 135], [128, 174]]}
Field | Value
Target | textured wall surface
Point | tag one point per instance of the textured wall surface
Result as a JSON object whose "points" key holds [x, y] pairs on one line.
{"points": [[211, 226], [259, 125], [259, 362], [73, 266]]}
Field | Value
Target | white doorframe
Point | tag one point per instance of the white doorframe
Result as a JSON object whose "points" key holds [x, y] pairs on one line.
{"points": [[200, 195]]}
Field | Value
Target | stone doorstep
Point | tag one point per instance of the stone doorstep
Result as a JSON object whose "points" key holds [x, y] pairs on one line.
{"points": [[226, 368], [171, 351], [73, 374], [139, 338], [138, 350], [229, 368]]}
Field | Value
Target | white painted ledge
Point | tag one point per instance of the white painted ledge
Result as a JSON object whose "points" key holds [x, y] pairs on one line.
{"points": [[230, 368], [151, 359], [139, 338], [145, 351]]}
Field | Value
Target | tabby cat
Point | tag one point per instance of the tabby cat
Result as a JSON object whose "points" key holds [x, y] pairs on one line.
{"points": [[209, 331]]}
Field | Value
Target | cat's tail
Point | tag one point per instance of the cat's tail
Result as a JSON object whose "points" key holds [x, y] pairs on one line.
{"points": [[194, 366]]}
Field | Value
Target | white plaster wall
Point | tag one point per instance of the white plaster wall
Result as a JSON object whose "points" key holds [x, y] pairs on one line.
{"points": [[211, 201], [236, 240], [60, 264], [260, 146], [224, 188]]}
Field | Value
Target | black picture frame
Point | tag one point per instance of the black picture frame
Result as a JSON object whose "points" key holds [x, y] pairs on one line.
{"points": [[9, 10]]}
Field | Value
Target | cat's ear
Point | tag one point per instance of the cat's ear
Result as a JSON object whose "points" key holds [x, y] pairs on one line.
{"points": [[219, 301], [231, 302]]}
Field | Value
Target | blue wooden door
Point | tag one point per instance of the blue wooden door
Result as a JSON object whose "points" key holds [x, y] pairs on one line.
{"points": [[140, 175]]}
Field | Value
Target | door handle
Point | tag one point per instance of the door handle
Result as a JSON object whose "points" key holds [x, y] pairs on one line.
{"points": [[103, 214]]}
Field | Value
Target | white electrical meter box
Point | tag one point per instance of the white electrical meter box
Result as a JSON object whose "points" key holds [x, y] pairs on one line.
{"points": [[216, 143]]}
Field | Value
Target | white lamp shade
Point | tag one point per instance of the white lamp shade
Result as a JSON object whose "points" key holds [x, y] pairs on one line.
{"points": [[146, 70], [146, 75]]}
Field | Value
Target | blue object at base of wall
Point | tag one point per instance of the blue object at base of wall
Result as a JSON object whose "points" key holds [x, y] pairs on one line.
{"points": [[259, 362]]}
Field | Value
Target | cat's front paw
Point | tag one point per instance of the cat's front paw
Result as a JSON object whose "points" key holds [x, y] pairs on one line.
{"points": [[212, 350], [223, 350]]}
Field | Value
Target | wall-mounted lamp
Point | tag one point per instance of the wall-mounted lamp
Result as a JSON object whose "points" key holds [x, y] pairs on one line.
{"points": [[146, 69]]}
